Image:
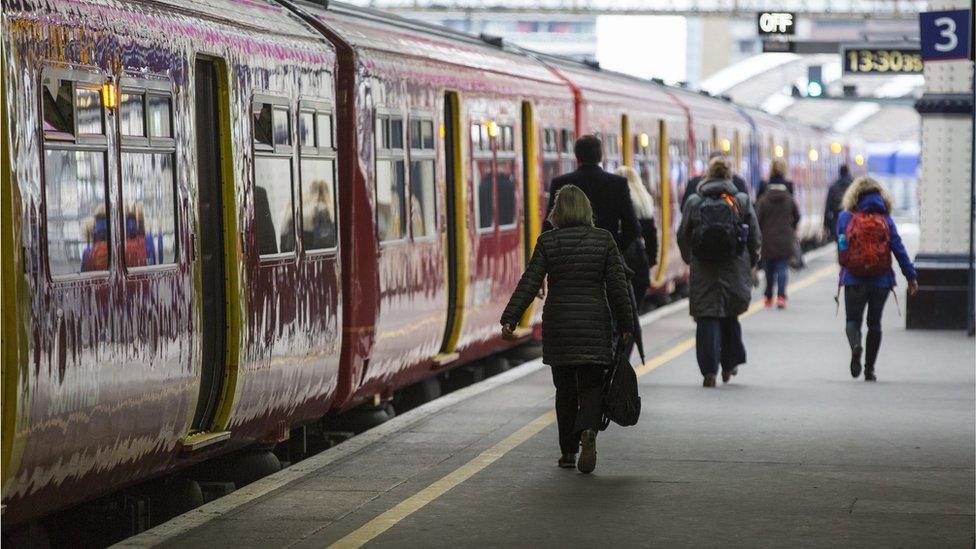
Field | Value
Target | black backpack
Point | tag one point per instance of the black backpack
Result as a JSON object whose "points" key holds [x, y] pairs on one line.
{"points": [[621, 401], [716, 236]]}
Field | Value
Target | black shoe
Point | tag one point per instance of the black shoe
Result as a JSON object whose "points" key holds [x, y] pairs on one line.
{"points": [[567, 461], [709, 380], [856, 362], [869, 375], [727, 375], [587, 460]]}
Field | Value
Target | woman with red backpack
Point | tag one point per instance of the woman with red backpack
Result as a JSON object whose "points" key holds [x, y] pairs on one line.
{"points": [[866, 239]]}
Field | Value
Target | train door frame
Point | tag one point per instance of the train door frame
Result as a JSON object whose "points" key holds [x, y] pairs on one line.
{"points": [[215, 269], [456, 226], [532, 225], [664, 224]]}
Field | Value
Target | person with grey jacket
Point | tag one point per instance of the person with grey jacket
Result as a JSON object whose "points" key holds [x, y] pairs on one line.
{"points": [[720, 290]]}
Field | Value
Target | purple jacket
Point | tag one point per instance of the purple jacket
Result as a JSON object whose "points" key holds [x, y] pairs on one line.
{"points": [[873, 203]]}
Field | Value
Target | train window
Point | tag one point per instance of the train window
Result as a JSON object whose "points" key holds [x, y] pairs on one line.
{"points": [[75, 185], [282, 134], [423, 212], [391, 184], [567, 141], [88, 111], [475, 137], [132, 114], [160, 116], [427, 128], [318, 203], [323, 130], [273, 204], [391, 204], [149, 201], [486, 192], [59, 108], [77, 222], [508, 143], [306, 129], [505, 182], [148, 174], [274, 198], [317, 180], [262, 127]]}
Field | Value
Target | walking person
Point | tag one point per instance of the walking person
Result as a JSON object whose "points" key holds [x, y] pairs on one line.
{"points": [[641, 255], [719, 238], [835, 198], [586, 279], [692, 186], [777, 176], [608, 193], [866, 239], [778, 216]]}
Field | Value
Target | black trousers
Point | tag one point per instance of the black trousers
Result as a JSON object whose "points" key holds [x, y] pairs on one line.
{"points": [[579, 402], [719, 341], [856, 300]]}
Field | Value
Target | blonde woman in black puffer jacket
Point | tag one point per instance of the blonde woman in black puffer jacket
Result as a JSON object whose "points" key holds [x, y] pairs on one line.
{"points": [[585, 274]]}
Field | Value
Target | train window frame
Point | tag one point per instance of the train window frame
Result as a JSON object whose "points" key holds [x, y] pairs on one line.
{"points": [[274, 150], [423, 153], [150, 144], [318, 151], [506, 152], [385, 152], [60, 141]]}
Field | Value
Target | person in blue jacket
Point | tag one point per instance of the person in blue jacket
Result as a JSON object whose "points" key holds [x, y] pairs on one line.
{"points": [[869, 292]]}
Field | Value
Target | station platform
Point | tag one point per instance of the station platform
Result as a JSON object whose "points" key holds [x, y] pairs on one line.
{"points": [[792, 453]]}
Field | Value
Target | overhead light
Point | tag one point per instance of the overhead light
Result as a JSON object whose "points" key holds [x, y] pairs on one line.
{"points": [[859, 160], [778, 151], [813, 155], [725, 145], [645, 140], [835, 147]]}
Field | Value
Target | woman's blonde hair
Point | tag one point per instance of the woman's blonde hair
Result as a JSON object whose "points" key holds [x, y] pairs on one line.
{"points": [[860, 187], [572, 208], [719, 168], [778, 167], [643, 203]]}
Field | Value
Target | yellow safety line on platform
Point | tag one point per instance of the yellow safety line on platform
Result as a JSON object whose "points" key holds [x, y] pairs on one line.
{"points": [[414, 503]]}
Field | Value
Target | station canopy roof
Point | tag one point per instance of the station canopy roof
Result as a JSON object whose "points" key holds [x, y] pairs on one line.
{"points": [[883, 113]]}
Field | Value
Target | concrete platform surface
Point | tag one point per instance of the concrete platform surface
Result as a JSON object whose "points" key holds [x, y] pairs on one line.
{"points": [[792, 453]]}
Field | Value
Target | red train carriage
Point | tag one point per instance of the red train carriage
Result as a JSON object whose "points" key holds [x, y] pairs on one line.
{"points": [[165, 189]]}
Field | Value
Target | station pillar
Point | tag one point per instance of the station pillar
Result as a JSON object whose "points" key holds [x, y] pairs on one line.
{"points": [[945, 299]]}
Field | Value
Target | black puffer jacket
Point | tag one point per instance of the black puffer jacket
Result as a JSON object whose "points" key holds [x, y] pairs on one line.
{"points": [[586, 278]]}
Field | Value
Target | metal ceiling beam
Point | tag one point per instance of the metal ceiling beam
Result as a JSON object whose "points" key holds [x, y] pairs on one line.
{"points": [[821, 9]]}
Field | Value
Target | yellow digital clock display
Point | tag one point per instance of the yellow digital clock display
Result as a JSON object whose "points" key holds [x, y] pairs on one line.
{"points": [[882, 61]]}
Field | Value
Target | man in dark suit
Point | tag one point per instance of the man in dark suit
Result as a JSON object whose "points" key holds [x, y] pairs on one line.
{"points": [[612, 209], [608, 193], [692, 186]]}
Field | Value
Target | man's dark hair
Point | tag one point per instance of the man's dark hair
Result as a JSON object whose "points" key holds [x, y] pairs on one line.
{"points": [[845, 171], [588, 149]]}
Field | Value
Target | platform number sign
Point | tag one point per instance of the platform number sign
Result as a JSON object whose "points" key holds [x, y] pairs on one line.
{"points": [[776, 22], [946, 35]]}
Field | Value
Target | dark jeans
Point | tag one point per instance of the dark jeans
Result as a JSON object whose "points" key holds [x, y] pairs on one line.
{"points": [[719, 341], [776, 271], [856, 299], [579, 402]]}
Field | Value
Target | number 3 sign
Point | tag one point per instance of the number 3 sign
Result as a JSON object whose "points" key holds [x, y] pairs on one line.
{"points": [[945, 35]]}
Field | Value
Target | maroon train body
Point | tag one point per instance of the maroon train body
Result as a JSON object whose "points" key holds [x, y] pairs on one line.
{"points": [[224, 219]]}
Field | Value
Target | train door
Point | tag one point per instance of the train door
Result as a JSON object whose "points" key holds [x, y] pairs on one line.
{"points": [[210, 125]]}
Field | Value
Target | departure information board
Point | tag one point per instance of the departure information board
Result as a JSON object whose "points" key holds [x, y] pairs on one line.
{"points": [[881, 60]]}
